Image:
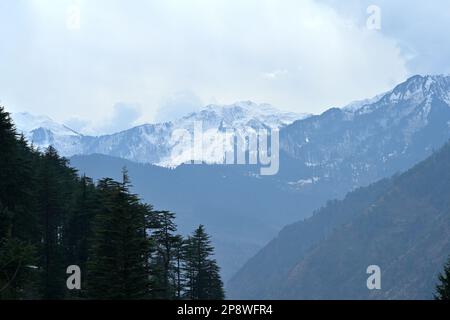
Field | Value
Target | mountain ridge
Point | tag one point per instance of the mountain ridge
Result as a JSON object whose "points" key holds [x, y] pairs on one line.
{"points": [[401, 223], [155, 143]]}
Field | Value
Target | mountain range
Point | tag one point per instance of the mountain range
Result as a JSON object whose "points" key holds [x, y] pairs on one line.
{"points": [[352, 147], [322, 157], [158, 143]]}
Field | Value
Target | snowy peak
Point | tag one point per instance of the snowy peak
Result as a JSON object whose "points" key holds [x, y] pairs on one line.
{"points": [[155, 143], [42, 132], [27, 123], [412, 119], [242, 117], [419, 88], [244, 113], [411, 105], [416, 91], [358, 104]]}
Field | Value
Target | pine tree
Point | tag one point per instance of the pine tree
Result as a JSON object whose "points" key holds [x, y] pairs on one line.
{"points": [[443, 288], [189, 269], [118, 262], [214, 290], [79, 228], [55, 196], [178, 275], [17, 223], [202, 272], [165, 282], [16, 273]]}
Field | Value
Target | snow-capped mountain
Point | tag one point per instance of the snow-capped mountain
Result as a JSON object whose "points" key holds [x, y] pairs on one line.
{"points": [[43, 132], [241, 118], [322, 157], [159, 143], [358, 145], [244, 114]]}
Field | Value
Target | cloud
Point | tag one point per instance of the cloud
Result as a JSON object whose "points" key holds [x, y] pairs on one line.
{"points": [[78, 124], [178, 105], [303, 56], [122, 117], [419, 27]]}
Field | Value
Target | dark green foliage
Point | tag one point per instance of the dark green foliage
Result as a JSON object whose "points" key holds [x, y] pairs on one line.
{"points": [[16, 269], [80, 223], [55, 197], [18, 232], [50, 218], [443, 288], [167, 280], [118, 265], [179, 278], [202, 273]]}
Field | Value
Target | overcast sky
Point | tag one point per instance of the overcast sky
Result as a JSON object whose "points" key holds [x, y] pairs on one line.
{"points": [[129, 62]]}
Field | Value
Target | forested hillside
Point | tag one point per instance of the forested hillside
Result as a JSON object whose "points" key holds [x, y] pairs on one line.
{"points": [[51, 218], [401, 224]]}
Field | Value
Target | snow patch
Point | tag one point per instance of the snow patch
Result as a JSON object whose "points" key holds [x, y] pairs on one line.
{"points": [[303, 182]]}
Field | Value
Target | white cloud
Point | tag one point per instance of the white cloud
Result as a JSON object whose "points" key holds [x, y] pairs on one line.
{"points": [[221, 50], [178, 105], [419, 27], [122, 117]]}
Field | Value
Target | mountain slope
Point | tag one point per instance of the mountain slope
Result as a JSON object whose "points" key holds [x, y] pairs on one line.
{"points": [[401, 224], [156, 143], [257, 278], [44, 132], [356, 146]]}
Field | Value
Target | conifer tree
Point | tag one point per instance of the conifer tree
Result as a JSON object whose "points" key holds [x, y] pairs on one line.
{"points": [[79, 228], [118, 262], [443, 288], [178, 275], [55, 196], [17, 227], [202, 273], [214, 288], [165, 282]]}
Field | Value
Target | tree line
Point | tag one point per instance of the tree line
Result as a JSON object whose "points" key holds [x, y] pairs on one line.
{"points": [[52, 218]]}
